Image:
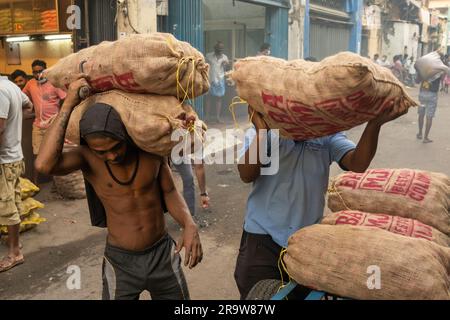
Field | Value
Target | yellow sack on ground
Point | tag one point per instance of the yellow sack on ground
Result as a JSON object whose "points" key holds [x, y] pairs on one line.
{"points": [[28, 206], [33, 220], [27, 188]]}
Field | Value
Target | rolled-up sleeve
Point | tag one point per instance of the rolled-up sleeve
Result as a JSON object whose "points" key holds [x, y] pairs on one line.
{"points": [[339, 146]]}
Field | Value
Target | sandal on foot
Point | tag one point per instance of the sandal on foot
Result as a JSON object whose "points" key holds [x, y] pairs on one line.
{"points": [[8, 263]]}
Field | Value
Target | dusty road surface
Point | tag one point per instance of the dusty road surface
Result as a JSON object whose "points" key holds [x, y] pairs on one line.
{"points": [[67, 239]]}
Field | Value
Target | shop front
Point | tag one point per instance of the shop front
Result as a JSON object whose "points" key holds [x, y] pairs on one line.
{"points": [[242, 27], [30, 30], [333, 26]]}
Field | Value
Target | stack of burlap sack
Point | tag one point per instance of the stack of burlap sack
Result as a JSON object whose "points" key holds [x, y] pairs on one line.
{"points": [[146, 78], [27, 210], [307, 100], [387, 238]]}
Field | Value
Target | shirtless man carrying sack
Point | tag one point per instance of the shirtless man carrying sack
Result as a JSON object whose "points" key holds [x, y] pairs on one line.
{"points": [[132, 187]]}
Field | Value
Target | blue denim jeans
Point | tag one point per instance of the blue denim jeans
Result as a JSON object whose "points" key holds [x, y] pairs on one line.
{"points": [[185, 171]]}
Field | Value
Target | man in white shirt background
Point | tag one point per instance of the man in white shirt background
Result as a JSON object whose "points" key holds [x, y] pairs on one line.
{"points": [[12, 166], [218, 62]]}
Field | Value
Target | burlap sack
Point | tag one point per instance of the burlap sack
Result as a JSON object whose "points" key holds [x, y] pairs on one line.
{"points": [[149, 119], [346, 260], [145, 63], [307, 100], [430, 66], [398, 225], [71, 186], [415, 194]]}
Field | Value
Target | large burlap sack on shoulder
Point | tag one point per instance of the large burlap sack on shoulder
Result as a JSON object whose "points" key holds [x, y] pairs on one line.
{"points": [[430, 66], [395, 224], [344, 260], [415, 194], [149, 119], [145, 63], [308, 100]]}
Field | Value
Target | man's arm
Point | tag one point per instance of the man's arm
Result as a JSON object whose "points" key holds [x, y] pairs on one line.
{"points": [[27, 107], [51, 160], [178, 209], [4, 110], [2, 129], [358, 160], [201, 179], [247, 171]]}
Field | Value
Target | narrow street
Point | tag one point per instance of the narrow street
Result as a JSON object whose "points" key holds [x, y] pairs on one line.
{"points": [[67, 238]]}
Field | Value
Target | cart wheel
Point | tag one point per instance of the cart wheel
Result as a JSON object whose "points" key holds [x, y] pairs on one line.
{"points": [[264, 289]]}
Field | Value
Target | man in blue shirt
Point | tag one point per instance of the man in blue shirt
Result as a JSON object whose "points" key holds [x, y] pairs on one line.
{"points": [[294, 197]]}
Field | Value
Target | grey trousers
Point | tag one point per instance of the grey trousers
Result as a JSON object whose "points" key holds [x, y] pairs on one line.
{"points": [[187, 176], [126, 274]]}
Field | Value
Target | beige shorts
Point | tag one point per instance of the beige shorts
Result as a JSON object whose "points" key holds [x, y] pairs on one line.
{"points": [[10, 199], [37, 137]]}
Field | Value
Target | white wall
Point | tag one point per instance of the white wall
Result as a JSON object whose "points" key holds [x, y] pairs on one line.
{"points": [[403, 36], [142, 15], [296, 29]]}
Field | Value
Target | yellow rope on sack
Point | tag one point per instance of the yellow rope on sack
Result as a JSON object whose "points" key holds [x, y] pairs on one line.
{"points": [[333, 190], [234, 103], [281, 268]]}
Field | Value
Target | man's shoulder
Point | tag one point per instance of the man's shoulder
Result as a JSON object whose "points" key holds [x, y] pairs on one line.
{"points": [[31, 85]]}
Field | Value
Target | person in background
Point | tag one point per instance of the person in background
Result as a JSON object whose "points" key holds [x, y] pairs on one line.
{"points": [[377, 60], [186, 174], [410, 72], [264, 50], [47, 101], [19, 77], [13, 102], [397, 68], [218, 62], [385, 62], [445, 78], [428, 98]]}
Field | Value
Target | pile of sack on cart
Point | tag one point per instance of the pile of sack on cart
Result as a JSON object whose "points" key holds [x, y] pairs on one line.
{"points": [[387, 238]]}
